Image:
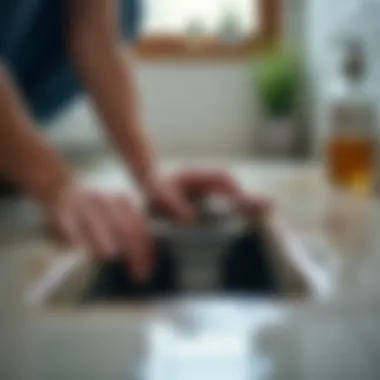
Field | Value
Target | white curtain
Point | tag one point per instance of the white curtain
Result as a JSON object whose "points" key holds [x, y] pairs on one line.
{"points": [[173, 16]]}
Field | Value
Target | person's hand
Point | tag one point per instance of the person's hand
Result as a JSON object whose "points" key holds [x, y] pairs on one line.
{"points": [[177, 195], [195, 184], [105, 225], [253, 205], [166, 198]]}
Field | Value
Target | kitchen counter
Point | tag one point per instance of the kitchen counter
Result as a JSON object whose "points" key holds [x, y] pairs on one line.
{"points": [[329, 236]]}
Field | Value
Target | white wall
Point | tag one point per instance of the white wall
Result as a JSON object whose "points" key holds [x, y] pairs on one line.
{"points": [[190, 109], [204, 109]]}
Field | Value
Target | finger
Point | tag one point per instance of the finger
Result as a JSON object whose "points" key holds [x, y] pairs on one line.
{"points": [[135, 237], [70, 229], [208, 182], [222, 183], [127, 222], [179, 207], [95, 224], [250, 204]]}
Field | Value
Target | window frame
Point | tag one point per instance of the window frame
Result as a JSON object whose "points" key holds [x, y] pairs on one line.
{"points": [[172, 47]]}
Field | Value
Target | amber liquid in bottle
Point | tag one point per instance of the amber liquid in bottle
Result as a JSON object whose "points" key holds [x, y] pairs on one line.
{"points": [[351, 163]]}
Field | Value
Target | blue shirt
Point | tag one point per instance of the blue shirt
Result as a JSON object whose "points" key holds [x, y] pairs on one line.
{"points": [[33, 47]]}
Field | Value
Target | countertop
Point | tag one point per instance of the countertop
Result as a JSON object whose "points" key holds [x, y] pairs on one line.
{"points": [[334, 334]]}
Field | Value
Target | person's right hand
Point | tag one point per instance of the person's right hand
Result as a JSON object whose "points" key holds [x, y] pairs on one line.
{"points": [[103, 224]]}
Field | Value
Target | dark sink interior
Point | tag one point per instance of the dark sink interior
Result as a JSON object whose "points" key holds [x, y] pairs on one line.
{"points": [[243, 268]]}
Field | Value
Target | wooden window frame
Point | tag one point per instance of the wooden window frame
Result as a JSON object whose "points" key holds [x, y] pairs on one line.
{"points": [[168, 47]]}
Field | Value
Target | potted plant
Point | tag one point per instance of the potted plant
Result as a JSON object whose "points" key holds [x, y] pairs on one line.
{"points": [[279, 84]]}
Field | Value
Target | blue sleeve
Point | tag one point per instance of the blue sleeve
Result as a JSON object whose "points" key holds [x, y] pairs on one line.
{"points": [[131, 18], [33, 44]]}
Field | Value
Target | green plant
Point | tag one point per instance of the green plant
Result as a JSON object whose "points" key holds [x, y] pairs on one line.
{"points": [[279, 82]]}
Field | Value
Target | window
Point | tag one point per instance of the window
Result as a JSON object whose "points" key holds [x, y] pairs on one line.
{"points": [[207, 28], [177, 17]]}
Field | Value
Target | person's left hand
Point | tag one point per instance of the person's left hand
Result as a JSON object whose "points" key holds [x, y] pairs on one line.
{"points": [[175, 196]]}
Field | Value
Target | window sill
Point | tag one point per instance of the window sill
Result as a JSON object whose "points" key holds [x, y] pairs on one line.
{"points": [[175, 49]]}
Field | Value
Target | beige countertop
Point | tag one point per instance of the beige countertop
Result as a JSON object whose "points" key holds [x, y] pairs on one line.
{"points": [[331, 238]]}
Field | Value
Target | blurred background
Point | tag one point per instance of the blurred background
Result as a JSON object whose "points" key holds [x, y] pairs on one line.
{"points": [[236, 78]]}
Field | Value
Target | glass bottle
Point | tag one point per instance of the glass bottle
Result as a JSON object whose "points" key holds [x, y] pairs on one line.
{"points": [[351, 147]]}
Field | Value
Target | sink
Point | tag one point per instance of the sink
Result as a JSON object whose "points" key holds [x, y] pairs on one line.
{"points": [[241, 268], [225, 256]]}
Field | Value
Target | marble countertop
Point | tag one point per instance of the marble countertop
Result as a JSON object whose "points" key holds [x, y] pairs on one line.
{"points": [[331, 236]]}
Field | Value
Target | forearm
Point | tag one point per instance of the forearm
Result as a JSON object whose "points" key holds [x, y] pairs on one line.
{"points": [[116, 103], [106, 71], [25, 157]]}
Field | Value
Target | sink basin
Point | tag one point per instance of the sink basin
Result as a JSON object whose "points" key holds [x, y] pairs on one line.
{"points": [[224, 254], [241, 267], [225, 257]]}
